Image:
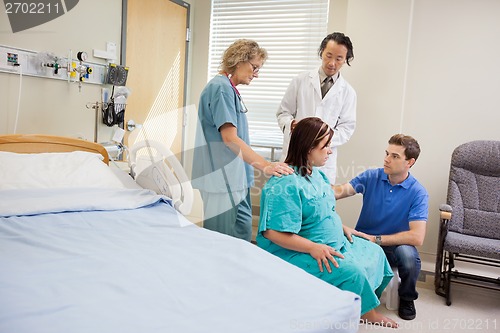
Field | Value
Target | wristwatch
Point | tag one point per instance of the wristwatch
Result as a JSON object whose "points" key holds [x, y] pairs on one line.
{"points": [[378, 240]]}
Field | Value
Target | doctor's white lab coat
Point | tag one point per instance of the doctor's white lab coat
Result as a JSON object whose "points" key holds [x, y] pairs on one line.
{"points": [[303, 99]]}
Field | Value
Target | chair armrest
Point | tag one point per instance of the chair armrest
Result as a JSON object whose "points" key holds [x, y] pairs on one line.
{"points": [[446, 211]]}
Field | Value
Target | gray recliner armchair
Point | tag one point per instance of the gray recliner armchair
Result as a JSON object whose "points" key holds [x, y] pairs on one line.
{"points": [[469, 230]]}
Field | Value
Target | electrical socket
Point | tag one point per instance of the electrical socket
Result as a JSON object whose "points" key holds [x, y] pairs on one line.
{"points": [[12, 59], [8, 61]]}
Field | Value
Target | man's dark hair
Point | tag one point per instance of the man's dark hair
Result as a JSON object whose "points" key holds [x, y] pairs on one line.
{"points": [[412, 148], [340, 39]]}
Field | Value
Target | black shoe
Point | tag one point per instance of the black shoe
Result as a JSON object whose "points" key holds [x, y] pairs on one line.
{"points": [[407, 310]]}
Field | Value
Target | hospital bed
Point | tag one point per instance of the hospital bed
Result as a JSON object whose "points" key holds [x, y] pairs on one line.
{"points": [[82, 251]]}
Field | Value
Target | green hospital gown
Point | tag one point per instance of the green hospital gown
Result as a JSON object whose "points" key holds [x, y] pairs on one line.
{"points": [[306, 206]]}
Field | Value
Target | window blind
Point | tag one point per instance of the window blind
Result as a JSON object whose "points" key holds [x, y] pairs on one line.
{"points": [[290, 31]]}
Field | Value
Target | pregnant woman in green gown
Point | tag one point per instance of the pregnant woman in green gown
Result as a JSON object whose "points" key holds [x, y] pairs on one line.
{"points": [[299, 224]]}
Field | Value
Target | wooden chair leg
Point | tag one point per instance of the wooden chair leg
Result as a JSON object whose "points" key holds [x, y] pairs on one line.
{"points": [[447, 286], [440, 267], [438, 272]]}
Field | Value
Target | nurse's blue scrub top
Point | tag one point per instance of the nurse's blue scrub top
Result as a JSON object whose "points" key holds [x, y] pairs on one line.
{"points": [[219, 104], [306, 207]]}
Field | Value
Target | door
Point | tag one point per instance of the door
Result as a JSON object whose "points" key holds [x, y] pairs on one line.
{"points": [[155, 49]]}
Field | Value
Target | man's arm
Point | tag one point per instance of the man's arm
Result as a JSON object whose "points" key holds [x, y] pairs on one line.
{"points": [[415, 236], [343, 191]]}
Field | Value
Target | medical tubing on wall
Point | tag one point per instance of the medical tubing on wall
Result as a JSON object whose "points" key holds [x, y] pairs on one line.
{"points": [[19, 97]]}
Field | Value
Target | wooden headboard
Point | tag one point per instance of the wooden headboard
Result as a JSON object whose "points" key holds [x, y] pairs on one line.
{"points": [[39, 143]]}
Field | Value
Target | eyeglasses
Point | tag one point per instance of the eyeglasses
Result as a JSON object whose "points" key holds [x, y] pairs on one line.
{"points": [[256, 69]]}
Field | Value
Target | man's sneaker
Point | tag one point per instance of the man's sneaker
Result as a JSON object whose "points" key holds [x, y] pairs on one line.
{"points": [[407, 310]]}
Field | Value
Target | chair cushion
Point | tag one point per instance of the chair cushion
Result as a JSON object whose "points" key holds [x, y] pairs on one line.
{"points": [[474, 189], [472, 245], [480, 157]]}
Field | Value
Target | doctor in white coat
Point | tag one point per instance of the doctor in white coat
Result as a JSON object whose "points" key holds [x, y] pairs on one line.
{"points": [[337, 107]]}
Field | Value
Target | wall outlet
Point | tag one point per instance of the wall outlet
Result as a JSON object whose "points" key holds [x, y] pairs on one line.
{"points": [[7, 61], [12, 59], [111, 48]]}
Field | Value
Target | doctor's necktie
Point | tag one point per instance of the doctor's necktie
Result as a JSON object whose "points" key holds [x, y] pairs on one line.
{"points": [[326, 85]]}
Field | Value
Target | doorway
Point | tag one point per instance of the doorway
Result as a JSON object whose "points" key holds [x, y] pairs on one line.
{"points": [[154, 47]]}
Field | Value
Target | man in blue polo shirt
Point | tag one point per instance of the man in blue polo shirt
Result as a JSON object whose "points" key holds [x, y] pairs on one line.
{"points": [[394, 214]]}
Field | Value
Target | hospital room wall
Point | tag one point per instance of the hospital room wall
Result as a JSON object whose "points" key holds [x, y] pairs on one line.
{"points": [[53, 106], [426, 68]]}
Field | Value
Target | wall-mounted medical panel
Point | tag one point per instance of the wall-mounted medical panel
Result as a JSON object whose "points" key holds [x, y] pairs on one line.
{"points": [[50, 66]]}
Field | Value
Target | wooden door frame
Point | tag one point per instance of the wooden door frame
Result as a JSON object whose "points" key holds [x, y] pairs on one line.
{"points": [[123, 57]]}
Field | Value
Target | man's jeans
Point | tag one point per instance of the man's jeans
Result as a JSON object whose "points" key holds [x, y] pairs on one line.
{"points": [[407, 260]]}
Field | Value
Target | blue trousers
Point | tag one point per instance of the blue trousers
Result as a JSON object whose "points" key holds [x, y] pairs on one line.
{"points": [[228, 213], [407, 260]]}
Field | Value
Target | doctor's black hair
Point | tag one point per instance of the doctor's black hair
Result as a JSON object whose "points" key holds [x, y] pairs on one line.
{"points": [[340, 39]]}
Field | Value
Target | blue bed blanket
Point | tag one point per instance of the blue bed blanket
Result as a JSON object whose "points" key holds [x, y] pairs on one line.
{"points": [[126, 261]]}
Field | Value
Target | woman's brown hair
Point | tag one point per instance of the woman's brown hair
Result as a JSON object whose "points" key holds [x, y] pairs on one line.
{"points": [[306, 135]]}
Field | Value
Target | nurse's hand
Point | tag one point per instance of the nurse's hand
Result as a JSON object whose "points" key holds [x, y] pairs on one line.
{"points": [[324, 254], [277, 169]]}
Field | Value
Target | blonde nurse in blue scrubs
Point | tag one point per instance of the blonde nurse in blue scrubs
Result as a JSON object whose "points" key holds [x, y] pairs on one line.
{"points": [[299, 224], [224, 162]]}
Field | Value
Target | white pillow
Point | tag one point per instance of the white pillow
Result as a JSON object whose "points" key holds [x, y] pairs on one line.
{"points": [[55, 170]]}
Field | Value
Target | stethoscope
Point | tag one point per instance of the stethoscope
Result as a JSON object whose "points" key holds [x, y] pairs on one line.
{"points": [[244, 108]]}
